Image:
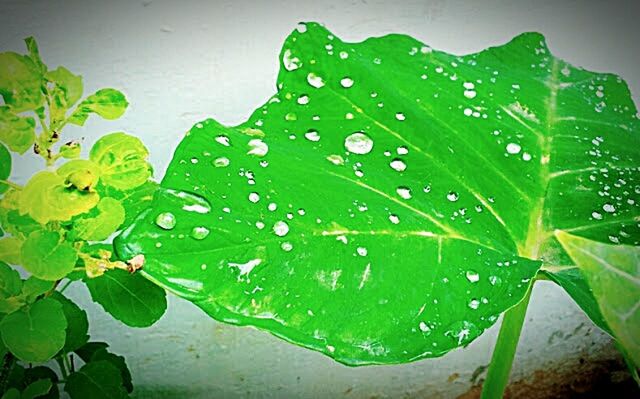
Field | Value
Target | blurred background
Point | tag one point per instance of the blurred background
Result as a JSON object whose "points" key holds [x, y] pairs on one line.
{"points": [[180, 62]]}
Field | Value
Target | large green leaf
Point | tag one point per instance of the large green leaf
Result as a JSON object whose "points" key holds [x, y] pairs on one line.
{"points": [[36, 333], [613, 273], [129, 298], [380, 206]]}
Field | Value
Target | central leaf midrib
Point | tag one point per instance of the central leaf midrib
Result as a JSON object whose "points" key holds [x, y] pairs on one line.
{"points": [[537, 231]]}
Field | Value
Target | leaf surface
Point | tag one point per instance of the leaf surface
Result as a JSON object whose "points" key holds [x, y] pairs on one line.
{"points": [[129, 298], [391, 200], [77, 323], [108, 103], [20, 82], [45, 256], [36, 333], [16, 132], [122, 159], [613, 273], [99, 380]]}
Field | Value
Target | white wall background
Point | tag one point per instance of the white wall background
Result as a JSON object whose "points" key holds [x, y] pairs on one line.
{"points": [[179, 62]]}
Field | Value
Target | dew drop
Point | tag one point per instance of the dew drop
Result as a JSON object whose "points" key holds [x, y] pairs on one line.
{"points": [[362, 251], [281, 228], [596, 215], [254, 197], [258, 147], [286, 246], [452, 196], [303, 99], [513, 148], [315, 80], [312, 135], [424, 327], [200, 232], [394, 219], [272, 206], [224, 140], [474, 303], [344, 55], [469, 93], [404, 192], [398, 165], [400, 116], [166, 220], [402, 150], [346, 82], [526, 156], [290, 63], [473, 276], [221, 162], [358, 143], [609, 208]]}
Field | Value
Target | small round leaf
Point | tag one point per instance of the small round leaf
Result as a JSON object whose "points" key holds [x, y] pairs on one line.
{"points": [[46, 257], [37, 333]]}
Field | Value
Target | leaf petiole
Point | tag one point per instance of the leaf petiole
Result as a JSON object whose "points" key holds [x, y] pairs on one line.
{"points": [[505, 350]]}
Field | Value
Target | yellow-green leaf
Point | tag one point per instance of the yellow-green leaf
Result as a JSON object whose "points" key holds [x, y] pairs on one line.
{"points": [[613, 273], [34, 53], [10, 250], [108, 103], [110, 216], [46, 198], [81, 173], [70, 150], [16, 132], [122, 159], [47, 257], [20, 82], [68, 83]]}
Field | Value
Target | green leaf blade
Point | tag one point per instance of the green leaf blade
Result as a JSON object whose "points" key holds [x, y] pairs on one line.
{"points": [[99, 379], [383, 176], [36, 334], [122, 159], [20, 82], [613, 273], [77, 323], [129, 298], [47, 257], [108, 103], [16, 132]]}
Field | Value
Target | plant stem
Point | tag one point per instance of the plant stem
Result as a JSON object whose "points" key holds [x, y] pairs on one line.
{"points": [[63, 368], [11, 184], [67, 284], [505, 350], [7, 366]]}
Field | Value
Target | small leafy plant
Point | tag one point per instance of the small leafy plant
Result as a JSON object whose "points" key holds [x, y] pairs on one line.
{"points": [[54, 232], [391, 201]]}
